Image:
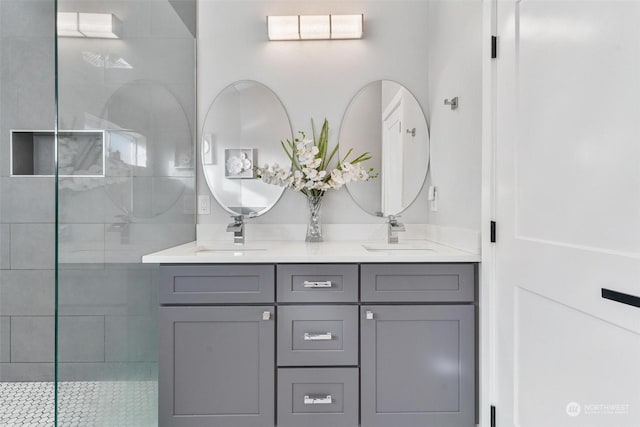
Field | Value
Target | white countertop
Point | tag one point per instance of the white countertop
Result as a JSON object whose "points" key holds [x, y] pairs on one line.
{"points": [[297, 251]]}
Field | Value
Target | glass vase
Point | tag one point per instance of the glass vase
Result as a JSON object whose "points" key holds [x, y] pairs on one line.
{"points": [[314, 227]]}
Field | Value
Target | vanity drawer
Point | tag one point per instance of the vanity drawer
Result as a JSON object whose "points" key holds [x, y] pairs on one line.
{"points": [[318, 283], [318, 397], [417, 282], [317, 335], [214, 284]]}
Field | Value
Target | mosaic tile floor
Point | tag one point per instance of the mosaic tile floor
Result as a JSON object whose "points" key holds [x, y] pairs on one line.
{"points": [[81, 404]]}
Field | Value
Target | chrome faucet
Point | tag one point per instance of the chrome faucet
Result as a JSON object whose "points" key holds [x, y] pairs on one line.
{"points": [[394, 228], [123, 227], [237, 227]]}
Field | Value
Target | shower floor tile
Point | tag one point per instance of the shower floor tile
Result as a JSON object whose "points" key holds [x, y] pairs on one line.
{"points": [[80, 403]]}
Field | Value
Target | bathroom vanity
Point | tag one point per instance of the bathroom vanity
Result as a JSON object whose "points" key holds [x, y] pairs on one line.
{"points": [[331, 334], [316, 335]]}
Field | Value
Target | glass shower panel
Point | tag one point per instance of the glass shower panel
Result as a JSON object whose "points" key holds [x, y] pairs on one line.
{"points": [[27, 192], [126, 185]]}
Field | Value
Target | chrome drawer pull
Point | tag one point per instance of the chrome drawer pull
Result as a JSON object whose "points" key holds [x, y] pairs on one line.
{"points": [[266, 315], [308, 284], [308, 400], [369, 315], [318, 337]]}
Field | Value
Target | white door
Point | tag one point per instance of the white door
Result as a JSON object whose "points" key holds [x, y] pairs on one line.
{"points": [[392, 157], [568, 213]]}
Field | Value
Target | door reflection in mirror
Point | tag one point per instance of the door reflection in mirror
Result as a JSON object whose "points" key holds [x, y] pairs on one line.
{"points": [[385, 119]]}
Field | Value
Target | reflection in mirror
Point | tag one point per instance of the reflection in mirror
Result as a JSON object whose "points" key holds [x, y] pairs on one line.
{"points": [[243, 128], [385, 119], [149, 150]]}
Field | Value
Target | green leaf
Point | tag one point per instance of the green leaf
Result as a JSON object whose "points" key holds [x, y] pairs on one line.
{"points": [[294, 163], [346, 155], [361, 158], [333, 153]]}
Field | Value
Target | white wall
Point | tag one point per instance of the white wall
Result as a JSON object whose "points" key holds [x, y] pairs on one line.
{"points": [[318, 79], [313, 79], [455, 69]]}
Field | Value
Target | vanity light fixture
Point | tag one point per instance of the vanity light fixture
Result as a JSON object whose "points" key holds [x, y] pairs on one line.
{"points": [[315, 27], [93, 25]]}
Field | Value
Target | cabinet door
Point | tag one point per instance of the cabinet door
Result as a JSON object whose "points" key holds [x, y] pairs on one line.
{"points": [[417, 366], [216, 366]]}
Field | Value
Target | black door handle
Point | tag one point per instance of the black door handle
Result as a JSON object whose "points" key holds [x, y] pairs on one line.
{"points": [[621, 297]]}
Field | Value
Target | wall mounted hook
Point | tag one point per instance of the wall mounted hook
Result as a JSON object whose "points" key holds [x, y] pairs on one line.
{"points": [[452, 102]]}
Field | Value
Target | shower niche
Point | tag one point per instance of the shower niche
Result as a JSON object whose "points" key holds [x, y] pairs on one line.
{"points": [[81, 153]]}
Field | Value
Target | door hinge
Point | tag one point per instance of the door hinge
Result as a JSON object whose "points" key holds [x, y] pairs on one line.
{"points": [[493, 416], [494, 47], [493, 231]]}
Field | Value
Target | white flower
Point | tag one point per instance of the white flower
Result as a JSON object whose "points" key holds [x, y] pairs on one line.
{"points": [[282, 174], [311, 174], [307, 174], [315, 163], [336, 176]]}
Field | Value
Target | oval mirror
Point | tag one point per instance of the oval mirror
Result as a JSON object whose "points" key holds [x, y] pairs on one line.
{"points": [[385, 119], [150, 135], [243, 128]]}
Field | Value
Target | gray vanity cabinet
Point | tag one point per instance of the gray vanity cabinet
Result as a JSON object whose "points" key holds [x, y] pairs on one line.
{"points": [[417, 366], [217, 360], [370, 345], [217, 366]]}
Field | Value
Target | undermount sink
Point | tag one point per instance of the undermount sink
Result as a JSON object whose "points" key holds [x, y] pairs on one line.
{"points": [[383, 247]]}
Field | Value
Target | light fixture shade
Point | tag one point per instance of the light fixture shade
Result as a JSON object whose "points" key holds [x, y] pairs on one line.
{"points": [[68, 24], [315, 27], [347, 26], [283, 27], [100, 25]]}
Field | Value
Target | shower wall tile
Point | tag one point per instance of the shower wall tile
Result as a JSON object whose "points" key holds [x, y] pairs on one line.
{"points": [[27, 293], [79, 70], [33, 18], [81, 339], [27, 200], [5, 339], [81, 244], [5, 246], [113, 292], [123, 339], [32, 339], [26, 371], [151, 60], [32, 70], [5, 142], [32, 246], [108, 371], [80, 205]]}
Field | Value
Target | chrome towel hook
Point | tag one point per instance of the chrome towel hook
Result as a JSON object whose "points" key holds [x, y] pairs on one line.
{"points": [[452, 102]]}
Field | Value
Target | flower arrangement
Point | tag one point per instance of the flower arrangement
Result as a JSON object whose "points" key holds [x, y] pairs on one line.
{"points": [[311, 172]]}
